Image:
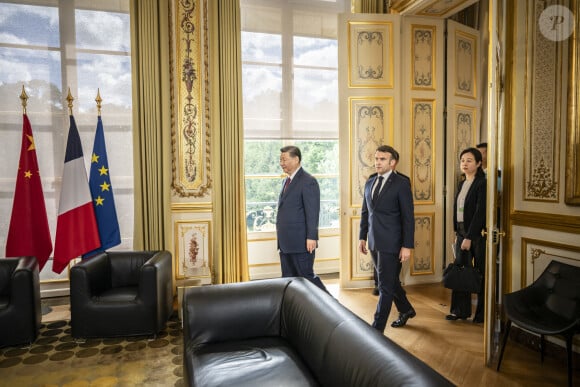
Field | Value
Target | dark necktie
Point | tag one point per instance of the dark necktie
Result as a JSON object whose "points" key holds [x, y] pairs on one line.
{"points": [[286, 184], [377, 189]]}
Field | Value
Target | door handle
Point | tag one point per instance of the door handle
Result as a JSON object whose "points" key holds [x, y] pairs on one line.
{"points": [[495, 235]]}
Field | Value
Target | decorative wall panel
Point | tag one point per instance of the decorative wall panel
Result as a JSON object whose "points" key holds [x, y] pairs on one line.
{"points": [[190, 112], [423, 57], [537, 254], [371, 56], [192, 249], [466, 64], [361, 266], [423, 150], [542, 146], [423, 255], [465, 127], [371, 125]]}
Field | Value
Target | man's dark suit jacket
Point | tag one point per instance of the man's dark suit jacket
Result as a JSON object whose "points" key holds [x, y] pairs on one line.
{"points": [[389, 224], [474, 207], [298, 211]]}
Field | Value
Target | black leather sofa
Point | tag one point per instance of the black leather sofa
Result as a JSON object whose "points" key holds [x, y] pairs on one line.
{"points": [[287, 332], [20, 309], [121, 293]]}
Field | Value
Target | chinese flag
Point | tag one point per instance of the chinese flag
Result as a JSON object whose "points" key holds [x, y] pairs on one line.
{"points": [[28, 233]]}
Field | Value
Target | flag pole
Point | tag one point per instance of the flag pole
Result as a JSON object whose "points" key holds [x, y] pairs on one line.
{"points": [[44, 307], [99, 100], [24, 99], [70, 100]]}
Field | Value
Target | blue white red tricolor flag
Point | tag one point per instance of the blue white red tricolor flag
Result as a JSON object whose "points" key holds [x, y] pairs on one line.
{"points": [[76, 228]]}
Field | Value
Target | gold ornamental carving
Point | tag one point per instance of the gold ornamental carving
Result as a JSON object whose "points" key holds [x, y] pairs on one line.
{"points": [[190, 100]]}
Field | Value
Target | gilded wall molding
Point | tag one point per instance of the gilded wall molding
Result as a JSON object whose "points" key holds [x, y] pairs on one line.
{"points": [[466, 57], [572, 185], [423, 150], [371, 54], [539, 253], [542, 148], [190, 134], [361, 265], [423, 259], [465, 129], [371, 125], [546, 221], [193, 258], [423, 57]]}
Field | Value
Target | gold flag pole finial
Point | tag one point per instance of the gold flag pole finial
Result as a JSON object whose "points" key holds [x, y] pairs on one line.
{"points": [[70, 99], [24, 99], [99, 100]]}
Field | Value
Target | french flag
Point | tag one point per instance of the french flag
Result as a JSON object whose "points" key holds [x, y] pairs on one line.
{"points": [[76, 228]]}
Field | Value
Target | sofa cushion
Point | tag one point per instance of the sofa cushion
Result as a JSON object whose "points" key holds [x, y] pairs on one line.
{"points": [[309, 318], [6, 271], [251, 363]]}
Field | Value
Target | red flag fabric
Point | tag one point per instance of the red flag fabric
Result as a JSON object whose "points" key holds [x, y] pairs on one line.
{"points": [[76, 227], [28, 233]]}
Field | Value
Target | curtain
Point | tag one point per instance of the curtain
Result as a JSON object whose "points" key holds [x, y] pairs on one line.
{"points": [[227, 122], [151, 123]]}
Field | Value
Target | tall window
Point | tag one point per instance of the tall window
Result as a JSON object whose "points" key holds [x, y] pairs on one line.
{"points": [[51, 46], [290, 93]]}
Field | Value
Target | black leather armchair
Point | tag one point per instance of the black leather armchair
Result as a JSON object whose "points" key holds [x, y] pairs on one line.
{"points": [[549, 306], [20, 311], [121, 293]]}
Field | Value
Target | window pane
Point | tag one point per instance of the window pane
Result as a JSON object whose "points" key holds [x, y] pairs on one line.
{"points": [[315, 111], [320, 156], [262, 203], [111, 74], [262, 94], [29, 25], [315, 52], [262, 157], [260, 47], [92, 25], [31, 56], [40, 70]]}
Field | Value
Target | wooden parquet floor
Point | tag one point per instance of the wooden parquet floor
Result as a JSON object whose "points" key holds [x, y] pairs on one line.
{"points": [[455, 348]]}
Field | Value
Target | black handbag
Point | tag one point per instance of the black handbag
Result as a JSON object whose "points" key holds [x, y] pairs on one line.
{"points": [[462, 278]]}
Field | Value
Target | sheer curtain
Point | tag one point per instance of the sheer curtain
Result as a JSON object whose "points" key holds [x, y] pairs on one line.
{"points": [[48, 47]]}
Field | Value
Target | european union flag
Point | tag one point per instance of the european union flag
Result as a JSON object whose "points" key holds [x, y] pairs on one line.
{"points": [[102, 194]]}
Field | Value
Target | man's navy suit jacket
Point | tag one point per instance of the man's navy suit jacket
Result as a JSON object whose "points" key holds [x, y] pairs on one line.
{"points": [[388, 224], [298, 211]]}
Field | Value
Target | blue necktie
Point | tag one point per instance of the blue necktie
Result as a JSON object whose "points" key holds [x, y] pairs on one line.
{"points": [[377, 189]]}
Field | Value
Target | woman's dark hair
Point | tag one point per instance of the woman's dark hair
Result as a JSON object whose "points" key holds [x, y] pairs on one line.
{"points": [[478, 158]]}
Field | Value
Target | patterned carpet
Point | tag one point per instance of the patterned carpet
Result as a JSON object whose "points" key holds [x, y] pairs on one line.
{"points": [[56, 359]]}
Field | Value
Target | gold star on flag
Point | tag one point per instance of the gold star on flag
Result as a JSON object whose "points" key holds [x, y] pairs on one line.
{"points": [[99, 201], [95, 158], [31, 139], [105, 186], [103, 170], [28, 174]]}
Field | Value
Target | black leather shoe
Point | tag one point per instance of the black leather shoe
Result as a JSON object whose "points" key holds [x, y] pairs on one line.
{"points": [[452, 317], [477, 320], [375, 291], [403, 317]]}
